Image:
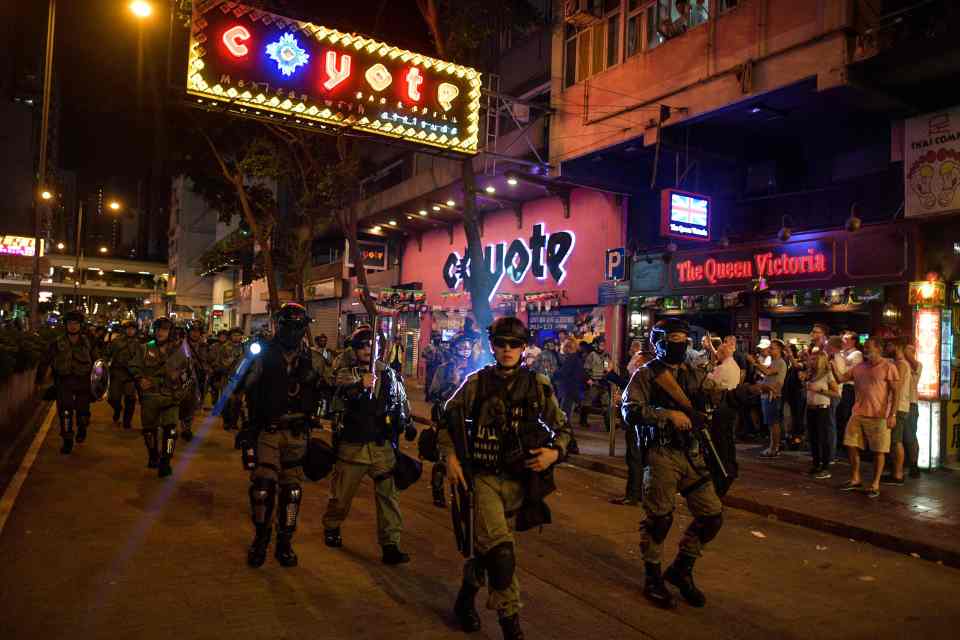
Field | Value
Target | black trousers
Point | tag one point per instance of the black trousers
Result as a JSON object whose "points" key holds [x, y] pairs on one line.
{"points": [[818, 432], [844, 411]]}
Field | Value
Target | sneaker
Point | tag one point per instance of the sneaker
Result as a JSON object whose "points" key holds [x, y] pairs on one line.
{"points": [[851, 486], [769, 455], [823, 474], [889, 479], [872, 493]]}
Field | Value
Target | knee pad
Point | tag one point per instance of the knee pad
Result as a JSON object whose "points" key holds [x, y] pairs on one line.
{"points": [[501, 563], [263, 492], [659, 526], [289, 507], [706, 528]]}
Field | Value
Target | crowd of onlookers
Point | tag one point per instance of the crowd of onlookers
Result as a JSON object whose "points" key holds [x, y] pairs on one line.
{"points": [[835, 391]]}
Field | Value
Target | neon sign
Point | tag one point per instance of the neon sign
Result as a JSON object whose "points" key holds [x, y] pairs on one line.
{"points": [[18, 246], [233, 40], [329, 78], [799, 261], [288, 55], [927, 332], [544, 255]]}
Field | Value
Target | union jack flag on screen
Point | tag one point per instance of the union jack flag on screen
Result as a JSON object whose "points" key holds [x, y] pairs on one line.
{"points": [[688, 210]]}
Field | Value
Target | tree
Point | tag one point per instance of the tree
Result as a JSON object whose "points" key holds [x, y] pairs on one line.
{"points": [[458, 29]]}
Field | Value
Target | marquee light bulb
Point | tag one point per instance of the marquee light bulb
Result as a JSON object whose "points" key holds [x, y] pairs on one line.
{"points": [[451, 203]]}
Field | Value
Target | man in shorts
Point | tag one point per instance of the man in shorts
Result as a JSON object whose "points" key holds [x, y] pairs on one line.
{"points": [[874, 414]]}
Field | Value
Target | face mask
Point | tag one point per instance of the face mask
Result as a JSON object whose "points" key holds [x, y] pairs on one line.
{"points": [[676, 352], [290, 339]]}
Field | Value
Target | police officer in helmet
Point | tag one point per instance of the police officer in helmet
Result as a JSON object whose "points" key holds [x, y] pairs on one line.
{"points": [[281, 390], [657, 403], [371, 411], [161, 370], [122, 395], [490, 426], [72, 356]]}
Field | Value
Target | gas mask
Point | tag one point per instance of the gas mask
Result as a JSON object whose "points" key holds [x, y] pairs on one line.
{"points": [[290, 337], [674, 352]]}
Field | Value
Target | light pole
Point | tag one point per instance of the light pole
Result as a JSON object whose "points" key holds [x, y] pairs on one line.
{"points": [[113, 205], [37, 210]]}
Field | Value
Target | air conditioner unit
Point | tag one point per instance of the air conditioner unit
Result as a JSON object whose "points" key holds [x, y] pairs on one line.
{"points": [[581, 13]]}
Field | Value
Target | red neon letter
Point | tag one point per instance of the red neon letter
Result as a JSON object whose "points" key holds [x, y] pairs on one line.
{"points": [[335, 74], [414, 80], [233, 39]]}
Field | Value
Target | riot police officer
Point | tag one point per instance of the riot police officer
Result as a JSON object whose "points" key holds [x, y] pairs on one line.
{"points": [[122, 395], [193, 400], [446, 380], [497, 419], [281, 390], [371, 409], [229, 356], [216, 381], [71, 357], [162, 371], [657, 403]]}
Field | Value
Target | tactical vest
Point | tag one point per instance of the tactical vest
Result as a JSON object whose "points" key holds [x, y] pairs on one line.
{"points": [[687, 381], [122, 352], [73, 359], [501, 411], [279, 392], [365, 418]]}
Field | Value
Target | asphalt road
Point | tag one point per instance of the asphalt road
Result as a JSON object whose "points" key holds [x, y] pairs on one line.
{"points": [[97, 546]]}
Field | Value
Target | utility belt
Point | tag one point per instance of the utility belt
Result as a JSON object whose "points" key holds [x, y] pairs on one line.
{"points": [[653, 436], [296, 423]]}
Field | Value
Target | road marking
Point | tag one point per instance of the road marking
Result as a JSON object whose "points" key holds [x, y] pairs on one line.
{"points": [[13, 489]]}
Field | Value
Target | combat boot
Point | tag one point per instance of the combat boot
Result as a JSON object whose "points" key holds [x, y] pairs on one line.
{"points": [[510, 625], [153, 460], [257, 554], [654, 588], [465, 608], [82, 423], [164, 468], [284, 552], [680, 575], [393, 555], [332, 538], [67, 446]]}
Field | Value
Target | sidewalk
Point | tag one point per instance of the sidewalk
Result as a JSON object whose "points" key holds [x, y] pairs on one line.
{"points": [[922, 517]]}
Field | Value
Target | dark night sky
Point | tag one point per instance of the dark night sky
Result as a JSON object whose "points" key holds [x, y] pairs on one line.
{"points": [[103, 136]]}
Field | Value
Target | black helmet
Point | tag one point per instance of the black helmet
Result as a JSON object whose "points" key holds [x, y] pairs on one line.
{"points": [[460, 338], [74, 315], [236, 330], [161, 322], [508, 327], [194, 324], [361, 337], [660, 331], [222, 332], [292, 315]]}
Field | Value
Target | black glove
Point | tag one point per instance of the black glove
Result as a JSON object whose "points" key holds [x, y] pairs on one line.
{"points": [[410, 432]]}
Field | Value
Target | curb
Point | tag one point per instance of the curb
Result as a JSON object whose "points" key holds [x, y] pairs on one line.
{"points": [[948, 557]]}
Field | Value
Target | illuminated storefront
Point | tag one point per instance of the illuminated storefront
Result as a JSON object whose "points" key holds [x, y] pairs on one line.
{"points": [[933, 331], [548, 267]]}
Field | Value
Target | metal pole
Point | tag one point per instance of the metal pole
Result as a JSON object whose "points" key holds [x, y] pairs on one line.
{"points": [[77, 272], [44, 126]]}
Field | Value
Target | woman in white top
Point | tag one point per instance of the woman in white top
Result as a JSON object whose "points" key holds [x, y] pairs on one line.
{"points": [[820, 389]]}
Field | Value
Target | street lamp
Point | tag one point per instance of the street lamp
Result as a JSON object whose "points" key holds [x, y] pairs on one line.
{"points": [[103, 249], [114, 205], [60, 246], [141, 8], [46, 195]]}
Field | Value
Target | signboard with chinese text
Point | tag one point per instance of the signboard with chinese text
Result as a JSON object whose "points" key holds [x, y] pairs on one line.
{"points": [[262, 63], [927, 332], [931, 164], [19, 246], [928, 293], [685, 215], [789, 262]]}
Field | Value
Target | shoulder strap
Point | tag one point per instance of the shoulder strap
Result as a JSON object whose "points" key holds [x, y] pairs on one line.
{"points": [[479, 394]]}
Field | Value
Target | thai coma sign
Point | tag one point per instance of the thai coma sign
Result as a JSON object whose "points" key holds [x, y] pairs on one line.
{"points": [[789, 262], [932, 163], [262, 64], [544, 256]]}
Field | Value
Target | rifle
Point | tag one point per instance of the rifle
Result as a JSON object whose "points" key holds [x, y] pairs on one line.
{"points": [[462, 507], [375, 355]]}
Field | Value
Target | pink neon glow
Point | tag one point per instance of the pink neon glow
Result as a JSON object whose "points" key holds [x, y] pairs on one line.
{"points": [[336, 74], [233, 39], [414, 79]]}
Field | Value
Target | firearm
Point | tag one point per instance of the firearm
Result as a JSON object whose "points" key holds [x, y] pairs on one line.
{"points": [[701, 422], [374, 356], [462, 508]]}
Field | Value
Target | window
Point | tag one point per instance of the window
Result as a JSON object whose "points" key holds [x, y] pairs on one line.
{"points": [[670, 18], [728, 5], [570, 73], [634, 27], [613, 40]]}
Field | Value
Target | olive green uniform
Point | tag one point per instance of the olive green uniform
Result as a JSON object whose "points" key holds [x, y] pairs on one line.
{"points": [[166, 367], [228, 357], [675, 464], [72, 363], [215, 380], [497, 494], [122, 394], [358, 457]]}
